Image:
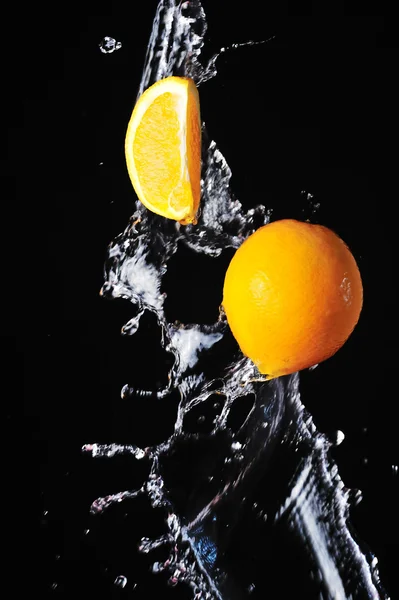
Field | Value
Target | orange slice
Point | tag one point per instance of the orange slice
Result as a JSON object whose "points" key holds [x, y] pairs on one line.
{"points": [[163, 149]]}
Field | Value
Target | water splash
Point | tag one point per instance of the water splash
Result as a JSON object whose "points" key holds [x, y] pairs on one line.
{"points": [[108, 45], [237, 461]]}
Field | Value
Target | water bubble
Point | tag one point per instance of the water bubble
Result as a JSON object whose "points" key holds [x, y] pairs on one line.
{"points": [[395, 469], [120, 581], [54, 586], [109, 45]]}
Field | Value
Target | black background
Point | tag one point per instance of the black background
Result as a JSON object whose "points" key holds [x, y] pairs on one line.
{"points": [[315, 110]]}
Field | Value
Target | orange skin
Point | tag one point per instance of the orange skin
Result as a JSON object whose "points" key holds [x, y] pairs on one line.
{"points": [[292, 296]]}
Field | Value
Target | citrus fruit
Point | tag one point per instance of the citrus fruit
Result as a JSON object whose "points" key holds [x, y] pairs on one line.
{"points": [[292, 296], [163, 149]]}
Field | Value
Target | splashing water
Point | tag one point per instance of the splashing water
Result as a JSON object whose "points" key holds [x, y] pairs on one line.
{"points": [[309, 499], [108, 45]]}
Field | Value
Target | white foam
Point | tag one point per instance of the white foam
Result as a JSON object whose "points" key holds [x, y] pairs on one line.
{"points": [[190, 342]]}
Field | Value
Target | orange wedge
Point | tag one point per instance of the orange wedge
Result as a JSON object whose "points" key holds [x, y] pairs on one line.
{"points": [[163, 149]]}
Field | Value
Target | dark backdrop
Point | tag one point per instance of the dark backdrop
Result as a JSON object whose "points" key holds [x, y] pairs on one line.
{"points": [[315, 110]]}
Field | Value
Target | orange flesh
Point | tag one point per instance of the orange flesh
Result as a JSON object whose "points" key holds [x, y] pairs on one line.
{"points": [[165, 155]]}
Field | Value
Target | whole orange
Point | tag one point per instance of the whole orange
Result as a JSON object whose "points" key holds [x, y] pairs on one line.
{"points": [[292, 296]]}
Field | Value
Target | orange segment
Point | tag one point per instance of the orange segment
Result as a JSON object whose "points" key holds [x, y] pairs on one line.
{"points": [[292, 296], [163, 149]]}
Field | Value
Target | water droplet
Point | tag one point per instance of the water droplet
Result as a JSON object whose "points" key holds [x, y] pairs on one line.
{"points": [[340, 436], [86, 531], [139, 454], [365, 461], [251, 588], [395, 469], [236, 446], [54, 586], [157, 567], [109, 45], [120, 581], [356, 497]]}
